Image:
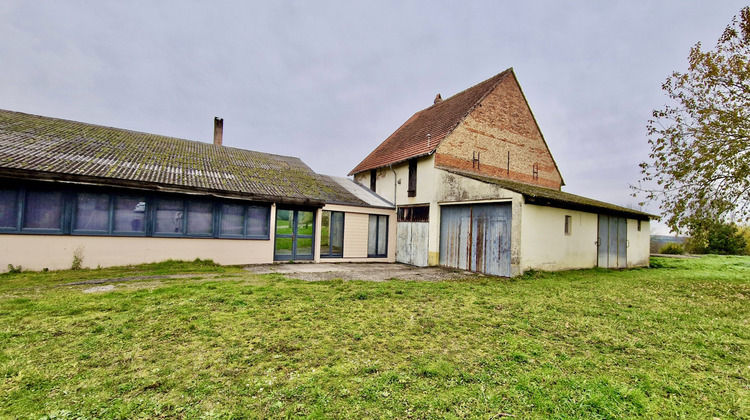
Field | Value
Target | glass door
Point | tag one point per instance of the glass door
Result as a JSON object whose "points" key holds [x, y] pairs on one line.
{"points": [[295, 231]]}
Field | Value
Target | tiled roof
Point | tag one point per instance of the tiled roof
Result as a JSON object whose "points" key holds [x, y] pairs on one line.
{"points": [[33, 146], [555, 198], [410, 140]]}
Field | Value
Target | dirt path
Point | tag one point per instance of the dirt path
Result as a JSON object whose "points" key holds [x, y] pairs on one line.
{"points": [[360, 271]]}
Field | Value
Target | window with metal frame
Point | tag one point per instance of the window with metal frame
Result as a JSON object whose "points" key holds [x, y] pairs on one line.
{"points": [[377, 236], [332, 234], [94, 211]]}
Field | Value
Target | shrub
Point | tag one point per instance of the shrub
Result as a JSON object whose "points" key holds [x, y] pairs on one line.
{"points": [[672, 248]]}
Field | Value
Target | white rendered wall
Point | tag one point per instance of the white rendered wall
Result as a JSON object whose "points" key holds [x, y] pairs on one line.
{"points": [[545, 246], [639, 243]]}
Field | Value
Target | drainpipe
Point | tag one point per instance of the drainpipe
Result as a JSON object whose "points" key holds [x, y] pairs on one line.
{"points": [[394, 183]]}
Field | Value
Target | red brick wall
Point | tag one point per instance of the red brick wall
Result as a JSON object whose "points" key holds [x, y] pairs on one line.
{"points": [[502, 123]]}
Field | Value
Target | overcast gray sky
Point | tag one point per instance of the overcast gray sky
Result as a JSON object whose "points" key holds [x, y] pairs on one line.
{"points": [[327, 81]]}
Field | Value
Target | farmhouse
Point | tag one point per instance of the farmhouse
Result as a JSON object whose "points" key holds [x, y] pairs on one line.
{"points": [[468, 182], [477, 188], [115, 197]]}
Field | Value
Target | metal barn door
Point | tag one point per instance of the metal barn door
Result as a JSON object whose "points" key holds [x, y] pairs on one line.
{"points": [[412, 243], [476, 238], [612, 242]]}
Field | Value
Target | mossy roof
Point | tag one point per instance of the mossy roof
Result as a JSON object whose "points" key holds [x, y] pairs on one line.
{"points": [[33, 146], [554, 198]]}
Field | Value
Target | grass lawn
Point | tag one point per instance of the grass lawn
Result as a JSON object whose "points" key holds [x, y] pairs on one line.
{"points": [[669, 342]]}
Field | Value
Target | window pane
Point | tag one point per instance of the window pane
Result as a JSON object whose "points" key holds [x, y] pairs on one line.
{"points": [[325, 232], [169, 216], [284, 222], [283, 247], [372, 234], [304, 247], [232, 219], [382, 232], [130, 213], [8, 208], [43, 210], [337, 233], [92, 212], [257, 221], [200, 218], [305, 223]]}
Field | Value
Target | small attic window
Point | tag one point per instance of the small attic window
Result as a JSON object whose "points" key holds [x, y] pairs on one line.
{"points": [[373, 178]]}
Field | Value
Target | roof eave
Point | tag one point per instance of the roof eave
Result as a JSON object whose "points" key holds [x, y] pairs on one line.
{"points": [[393, 163]]}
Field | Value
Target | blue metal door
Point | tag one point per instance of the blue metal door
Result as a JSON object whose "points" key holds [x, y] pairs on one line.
{"points": [[612, 242], [476, 237]]}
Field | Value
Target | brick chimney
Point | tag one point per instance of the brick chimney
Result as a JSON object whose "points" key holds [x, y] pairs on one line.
{"points": [[218, 130], [438, 99]]}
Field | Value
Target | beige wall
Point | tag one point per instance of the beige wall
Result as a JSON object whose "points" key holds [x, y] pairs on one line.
{"points": [[545, 246], [639, 243], [356, 225], [36, 252]]}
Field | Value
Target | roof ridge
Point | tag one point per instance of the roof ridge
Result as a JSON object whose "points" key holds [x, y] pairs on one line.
{"points": [[500, 77], [509, 69], [436, 122]]}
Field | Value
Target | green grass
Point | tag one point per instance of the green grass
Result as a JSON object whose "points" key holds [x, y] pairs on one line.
{"points": [[668, 342]]}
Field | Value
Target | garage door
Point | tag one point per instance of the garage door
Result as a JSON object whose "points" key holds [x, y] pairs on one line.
{"points": [[612, 242], [476, 237]]}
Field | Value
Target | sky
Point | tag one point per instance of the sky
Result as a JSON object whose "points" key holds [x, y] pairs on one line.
{"points": [[328, 81]]}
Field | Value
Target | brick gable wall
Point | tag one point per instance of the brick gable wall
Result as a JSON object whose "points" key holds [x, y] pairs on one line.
{"points": [[502, 123]]}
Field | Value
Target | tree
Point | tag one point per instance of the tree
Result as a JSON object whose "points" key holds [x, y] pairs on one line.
{"points": [[717, 237], [700, 143]]}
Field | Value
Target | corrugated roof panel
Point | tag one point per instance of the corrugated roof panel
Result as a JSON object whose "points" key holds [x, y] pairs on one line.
{"points": [[41, 144]]}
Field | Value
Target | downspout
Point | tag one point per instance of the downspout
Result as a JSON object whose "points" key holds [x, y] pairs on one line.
{"points": [[394, 184]]}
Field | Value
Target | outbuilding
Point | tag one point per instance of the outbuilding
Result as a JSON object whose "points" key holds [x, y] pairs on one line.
{"points": [[476, 188], [110, 196]]}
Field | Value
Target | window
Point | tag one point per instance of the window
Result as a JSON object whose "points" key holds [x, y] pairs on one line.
{"points": [[373, 179], [413, 214], [568, 225], [8, 209], [377, 236], [412, 191], [129, 215], [169, 217], [332, 234], [43, 210], [257, 221], [94, 211], [639, 226], [200, 218], [232, 220]]}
